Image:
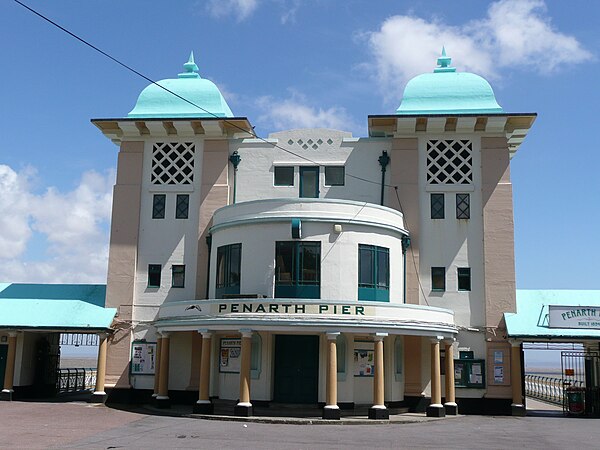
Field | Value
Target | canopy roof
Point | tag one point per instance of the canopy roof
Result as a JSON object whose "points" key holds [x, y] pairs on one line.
{"points": [[54, 306], [531, 321]]}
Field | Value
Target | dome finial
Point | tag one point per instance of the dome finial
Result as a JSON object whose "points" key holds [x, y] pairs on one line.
{"points": [[444, 63], [190, 67]]}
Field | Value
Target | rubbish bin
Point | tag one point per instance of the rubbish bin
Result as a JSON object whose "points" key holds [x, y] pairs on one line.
{"points": [[575, 400]]}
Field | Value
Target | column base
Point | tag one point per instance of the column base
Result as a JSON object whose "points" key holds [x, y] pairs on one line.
{"points": [[203, 408], [98, 397], [243, 410], [436, 411], [518, 410], [331, 413], [162, 402], [451, 408], [6, 395], [378, 413]]}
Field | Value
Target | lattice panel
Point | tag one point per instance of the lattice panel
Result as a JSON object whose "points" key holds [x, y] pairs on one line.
{"points": [[173, 163], [310, 143], [449, 162]]}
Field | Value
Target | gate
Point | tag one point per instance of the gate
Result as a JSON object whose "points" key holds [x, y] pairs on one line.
{"points": [[581, 382]]}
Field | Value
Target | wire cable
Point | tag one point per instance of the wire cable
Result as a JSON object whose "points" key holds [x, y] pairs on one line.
{"points": [[150, 80]]}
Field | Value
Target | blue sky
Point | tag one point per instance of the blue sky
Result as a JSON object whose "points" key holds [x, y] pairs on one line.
{"points": [[286, 64]]}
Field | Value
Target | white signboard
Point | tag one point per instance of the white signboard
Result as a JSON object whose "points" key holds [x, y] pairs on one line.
{"points": [[574, 317], [143, 358]]}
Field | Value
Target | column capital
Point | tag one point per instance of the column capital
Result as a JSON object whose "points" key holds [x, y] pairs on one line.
{"points": [[102, 334], [449, 341], [206, 334], [514, 343], [246, 332], [436, 339], [165, 334], [12, 334], [332, 335], [379, 336]]}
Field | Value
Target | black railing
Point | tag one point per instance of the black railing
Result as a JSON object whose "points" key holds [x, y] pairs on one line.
{"points": [[75, 380]]}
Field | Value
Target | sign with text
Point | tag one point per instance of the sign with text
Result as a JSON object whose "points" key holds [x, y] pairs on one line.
{"points": [[230, 355], [574, 317], [143, 358]]}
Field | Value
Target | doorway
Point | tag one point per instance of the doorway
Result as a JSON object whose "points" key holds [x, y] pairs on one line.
{"points": [[309, 182], [296, 377]]}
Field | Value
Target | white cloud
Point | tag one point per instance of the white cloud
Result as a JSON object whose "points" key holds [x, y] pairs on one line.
{"points": [[240, 9], [515, 33], [295, 112], [73, 225]]}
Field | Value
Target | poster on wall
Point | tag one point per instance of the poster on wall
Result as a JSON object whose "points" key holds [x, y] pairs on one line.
{"points": [[498, 357], [143, 358], [364, 362], [498, 374], [230, 355]]}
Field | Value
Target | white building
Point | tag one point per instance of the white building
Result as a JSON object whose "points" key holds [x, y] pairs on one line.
{"points": [[314, 266]]}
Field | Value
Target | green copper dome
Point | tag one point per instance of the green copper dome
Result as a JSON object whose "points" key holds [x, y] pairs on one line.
{"points": [[446, 91], [156, 102]]}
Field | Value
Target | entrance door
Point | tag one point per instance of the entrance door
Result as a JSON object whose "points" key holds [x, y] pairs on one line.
{"points": [[296, 369], [3, 353], [309, 182]]}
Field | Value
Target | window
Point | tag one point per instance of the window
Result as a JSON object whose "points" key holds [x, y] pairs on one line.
{"points": [[284, 176], [449, 162], [229, 258], [373, 273], [154, 275], [437, 206], [182, 207], [178, 278], [334, 175], [158, 206], [463, 206], [297, 269], [438, 278], [172, 163], [464, 278], [309, 182]]}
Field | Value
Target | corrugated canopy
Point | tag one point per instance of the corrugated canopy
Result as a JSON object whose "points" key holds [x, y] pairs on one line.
{"points": [[531, 321], [54, 306]]}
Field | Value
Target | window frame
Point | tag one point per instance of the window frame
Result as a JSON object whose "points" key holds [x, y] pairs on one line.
{"points": [[306, 169], [275, 169], [439, 212], [228, 286], [374, 290], [466, 274], [156, 213], [297, 286], [179, 213], [152, 270], [174, 268], [329, 168], [433, 277], [463, 212]]}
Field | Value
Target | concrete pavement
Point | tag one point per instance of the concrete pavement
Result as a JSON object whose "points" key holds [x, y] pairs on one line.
{"points": [[31, 425]]}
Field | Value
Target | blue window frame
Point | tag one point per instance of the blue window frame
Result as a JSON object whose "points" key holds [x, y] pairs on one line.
{"points": [[373, 273], [297, 269], [229, 261], [309, 182]]}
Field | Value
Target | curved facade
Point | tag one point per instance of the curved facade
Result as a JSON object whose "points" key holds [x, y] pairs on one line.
{"points": [[316, 267]]}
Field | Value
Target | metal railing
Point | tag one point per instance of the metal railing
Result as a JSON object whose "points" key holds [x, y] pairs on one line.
{"points": [[548, 389], [75, 380]]}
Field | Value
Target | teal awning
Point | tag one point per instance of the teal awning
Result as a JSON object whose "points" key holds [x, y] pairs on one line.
{"points": [[54, 306], [530, 322]]}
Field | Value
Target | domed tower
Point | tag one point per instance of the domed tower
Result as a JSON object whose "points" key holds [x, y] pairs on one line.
{"points": [[450, 159], [173, 172]]}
